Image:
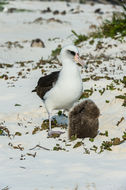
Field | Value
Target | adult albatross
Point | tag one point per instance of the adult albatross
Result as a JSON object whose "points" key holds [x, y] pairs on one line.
{"points": [[61, 89]]}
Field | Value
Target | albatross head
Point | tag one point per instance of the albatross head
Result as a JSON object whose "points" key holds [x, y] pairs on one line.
{"points": [[71, 52]]}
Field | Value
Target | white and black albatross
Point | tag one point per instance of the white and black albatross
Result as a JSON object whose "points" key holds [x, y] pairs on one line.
{"points": [[61, 89]]}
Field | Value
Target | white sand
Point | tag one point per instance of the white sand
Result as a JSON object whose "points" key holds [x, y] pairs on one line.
{"points": [[60, 170]]}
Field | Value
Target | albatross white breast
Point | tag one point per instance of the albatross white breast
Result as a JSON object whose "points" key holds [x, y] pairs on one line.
{"points": [[61, 89]]}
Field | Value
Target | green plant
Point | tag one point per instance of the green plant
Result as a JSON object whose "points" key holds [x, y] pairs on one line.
{"points": [[73, 137], [124, 81], [56, 51], [101, 91], [57, 148], [104, 134], [106, 145], [107, 101], [110, 87], [123, 97], [114, 28], [91, 139], [78, 144], [87, 93], [2, 3], [124, 136], [80, 38]]}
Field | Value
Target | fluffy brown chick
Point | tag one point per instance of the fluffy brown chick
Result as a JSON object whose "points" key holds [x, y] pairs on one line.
{"points": [[83, 119]]}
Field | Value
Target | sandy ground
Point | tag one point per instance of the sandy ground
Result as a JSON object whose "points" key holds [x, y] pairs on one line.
{"points": [[72, 168]]}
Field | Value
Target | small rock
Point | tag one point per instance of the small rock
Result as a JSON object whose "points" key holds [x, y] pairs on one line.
{"points": [[54, 20], [63, 12], [56, 12], [38, 20], [37, 43], [98, 11], [48, 10], [67, 4]]}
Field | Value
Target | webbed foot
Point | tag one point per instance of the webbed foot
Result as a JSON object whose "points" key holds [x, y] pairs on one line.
{"points": [[55, 133]]}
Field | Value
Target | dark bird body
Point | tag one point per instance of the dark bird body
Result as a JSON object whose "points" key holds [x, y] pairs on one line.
{"points": [[46, 83], [83, 120]]}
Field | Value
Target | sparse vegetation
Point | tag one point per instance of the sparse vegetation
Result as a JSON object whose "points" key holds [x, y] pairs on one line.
{"points": [[86, 151], [114, 28], [101, 91], [17, 105], [107, 101], [87, 93], [45, 124], [2, 3], [107, 145], [104, 134], [23, 137], [58, 147], [35, 130], [91, 139], [18, 134], [111, 87], [4, 131], [124, 81], [73, 137], [80, 38], [94, 148], [78, 144], [56, 51], [124, 135], [123, 97]]}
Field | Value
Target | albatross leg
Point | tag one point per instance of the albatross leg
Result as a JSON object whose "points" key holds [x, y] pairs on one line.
{"points": [[55, 133], [50, 132], [50, 128]]}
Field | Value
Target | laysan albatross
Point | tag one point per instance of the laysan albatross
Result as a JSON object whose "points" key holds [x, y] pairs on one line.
{"points": [[61, 89]]}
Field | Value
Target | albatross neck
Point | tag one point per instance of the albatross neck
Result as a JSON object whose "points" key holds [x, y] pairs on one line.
{"points": [[69, 64]]}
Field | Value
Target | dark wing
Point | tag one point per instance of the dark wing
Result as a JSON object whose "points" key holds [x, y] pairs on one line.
{"points": [[46, 83]]}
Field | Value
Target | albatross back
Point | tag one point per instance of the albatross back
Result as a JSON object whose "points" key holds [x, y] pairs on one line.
{"points": [[46, 83]]}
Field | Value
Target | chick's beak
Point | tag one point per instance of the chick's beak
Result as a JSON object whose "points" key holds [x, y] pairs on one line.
{"points": [[78, 60]]}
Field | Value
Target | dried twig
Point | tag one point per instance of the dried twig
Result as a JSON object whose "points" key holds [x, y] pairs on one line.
{"points": [[122, 118], [38, 146], [33, 155], [16, 147], [22, 167]]}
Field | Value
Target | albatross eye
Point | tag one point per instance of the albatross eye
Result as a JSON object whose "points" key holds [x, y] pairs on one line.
{"points": [[71, 52]]}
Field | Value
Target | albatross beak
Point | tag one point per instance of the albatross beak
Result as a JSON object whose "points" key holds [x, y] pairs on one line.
{"points": [[78, 60]]}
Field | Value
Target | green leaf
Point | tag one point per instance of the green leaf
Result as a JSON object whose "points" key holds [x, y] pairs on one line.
{"points": [[17, 104]]}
